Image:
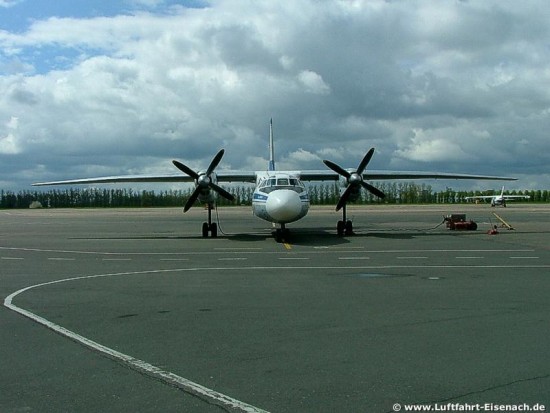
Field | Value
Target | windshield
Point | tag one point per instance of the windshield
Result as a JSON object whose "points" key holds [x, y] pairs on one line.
{"points": [[271, 184]]}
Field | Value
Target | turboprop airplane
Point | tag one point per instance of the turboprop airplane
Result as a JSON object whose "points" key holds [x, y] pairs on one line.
{"points": [[498, 199], [279, 197]]}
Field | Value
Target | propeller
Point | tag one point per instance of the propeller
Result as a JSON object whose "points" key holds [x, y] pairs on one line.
{"points": [[354, 179], [203, 180]]}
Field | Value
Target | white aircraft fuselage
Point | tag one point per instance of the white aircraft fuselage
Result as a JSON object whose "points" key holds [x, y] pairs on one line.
{"points": [[280, 197], [498, 200]]}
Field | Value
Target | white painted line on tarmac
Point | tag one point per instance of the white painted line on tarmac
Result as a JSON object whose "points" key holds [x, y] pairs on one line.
{"points": [[354, 258], [12, 258], [134, 363], [180, 382], [238, 249], [412, 258], [61, 259], [524, 258]]}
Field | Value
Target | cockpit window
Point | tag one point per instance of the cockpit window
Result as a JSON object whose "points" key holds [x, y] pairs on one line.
{"points": [[271, 184]]}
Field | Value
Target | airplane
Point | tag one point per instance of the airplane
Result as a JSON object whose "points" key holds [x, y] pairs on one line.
{"points": [[498, 199], [279, 197]]}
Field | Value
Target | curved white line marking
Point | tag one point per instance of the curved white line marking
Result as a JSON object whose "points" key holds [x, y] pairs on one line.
{"points": [[171, 378], [186, 385]]}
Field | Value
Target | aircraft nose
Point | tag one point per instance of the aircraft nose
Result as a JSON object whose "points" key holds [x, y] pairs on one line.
{"points": [[283, 205]]}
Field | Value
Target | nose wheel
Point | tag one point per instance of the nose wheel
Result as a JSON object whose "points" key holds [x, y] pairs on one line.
{"points": [[281, 234]]}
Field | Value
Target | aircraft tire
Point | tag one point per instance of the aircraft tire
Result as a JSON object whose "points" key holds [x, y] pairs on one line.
{"points": [[205, 229], [349, 228], [340, 228], [214, 230]]}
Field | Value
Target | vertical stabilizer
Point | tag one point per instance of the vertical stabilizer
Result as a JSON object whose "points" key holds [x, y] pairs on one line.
{"points": [[271, 166]]}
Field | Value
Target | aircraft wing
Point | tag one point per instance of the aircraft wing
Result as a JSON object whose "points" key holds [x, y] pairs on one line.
{"points": [[250, 176], [373, 175], [506, 197], [120, 178], [236, 176], [223, 176], [481, 197]]}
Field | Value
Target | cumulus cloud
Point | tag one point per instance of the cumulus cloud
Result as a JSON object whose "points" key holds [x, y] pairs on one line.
{"points": [[431, 149], [9, 3], [8, 143], [313, 82], [428, 84]]}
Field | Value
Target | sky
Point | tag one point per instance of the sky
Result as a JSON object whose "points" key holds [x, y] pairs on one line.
{"points": [[93, 88]]}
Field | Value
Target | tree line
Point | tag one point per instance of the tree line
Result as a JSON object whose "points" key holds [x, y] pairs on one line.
{"points": [[320, 194]]}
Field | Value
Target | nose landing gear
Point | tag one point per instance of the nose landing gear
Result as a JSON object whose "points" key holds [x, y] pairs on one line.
{"points": [[282, 234]]}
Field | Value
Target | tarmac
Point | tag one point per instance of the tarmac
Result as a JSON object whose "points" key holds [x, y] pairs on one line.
{"points": [[132, 310]]}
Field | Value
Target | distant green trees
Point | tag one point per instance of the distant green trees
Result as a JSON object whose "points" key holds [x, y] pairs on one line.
{"points": [[320, 194]]}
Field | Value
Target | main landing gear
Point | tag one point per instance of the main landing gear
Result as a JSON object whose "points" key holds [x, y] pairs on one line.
{"points": [[345, 226], [209, 227]]}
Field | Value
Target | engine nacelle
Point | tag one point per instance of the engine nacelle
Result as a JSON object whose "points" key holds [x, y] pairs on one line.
{"points": [[355, 192], [206, 195]]}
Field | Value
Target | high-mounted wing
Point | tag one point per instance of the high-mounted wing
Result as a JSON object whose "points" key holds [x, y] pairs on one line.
{"points": [[223, 176], [119, 179], [321, 175], [480, 197], [507, 197]]}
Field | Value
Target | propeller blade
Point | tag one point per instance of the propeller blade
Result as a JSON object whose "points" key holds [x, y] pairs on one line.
{"points": [[336, 168], [222, 192], [215, 162], [365, 161], [192, 199], [375, 191], [186, 170], [344, 198]]}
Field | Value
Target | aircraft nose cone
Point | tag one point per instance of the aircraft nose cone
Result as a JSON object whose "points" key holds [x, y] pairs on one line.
{"points": [[283, 205]]}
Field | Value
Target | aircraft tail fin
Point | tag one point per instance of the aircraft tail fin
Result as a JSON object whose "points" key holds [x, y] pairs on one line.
{"points": [[502, 192], [271, 166]]}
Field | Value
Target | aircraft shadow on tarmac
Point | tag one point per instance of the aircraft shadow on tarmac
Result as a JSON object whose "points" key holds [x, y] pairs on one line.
{"points": [[305, 237], [328, 237], [300, 236]]}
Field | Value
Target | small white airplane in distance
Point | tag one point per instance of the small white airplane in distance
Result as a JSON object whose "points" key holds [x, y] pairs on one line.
{"points": [[498, 199], [280, 197]]}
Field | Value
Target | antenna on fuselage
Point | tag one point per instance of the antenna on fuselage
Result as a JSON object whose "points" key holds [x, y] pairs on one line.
{"points": [[271, 166]]}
